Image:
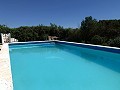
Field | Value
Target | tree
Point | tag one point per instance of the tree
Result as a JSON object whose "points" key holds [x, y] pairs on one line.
{"points": [[103, 32], [88, 26]]}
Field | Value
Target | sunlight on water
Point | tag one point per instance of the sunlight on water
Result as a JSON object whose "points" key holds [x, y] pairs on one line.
{"points": [[64, 67]]}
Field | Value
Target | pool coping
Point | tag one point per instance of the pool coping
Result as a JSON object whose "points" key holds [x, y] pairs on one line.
{"points": [[6, 82]]}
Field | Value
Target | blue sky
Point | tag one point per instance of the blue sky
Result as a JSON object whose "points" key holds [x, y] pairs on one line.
{"points": [[67, 13]]}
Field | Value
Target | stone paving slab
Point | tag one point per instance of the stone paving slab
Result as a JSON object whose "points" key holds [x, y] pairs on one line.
{"points": [[5, 69]]}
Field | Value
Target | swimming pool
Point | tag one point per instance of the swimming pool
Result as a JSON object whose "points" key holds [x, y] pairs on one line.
{"points": [[62, 66]]}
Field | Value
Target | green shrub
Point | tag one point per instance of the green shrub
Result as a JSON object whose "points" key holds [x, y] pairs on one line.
{"points": [[114, 42], [97, 40]]}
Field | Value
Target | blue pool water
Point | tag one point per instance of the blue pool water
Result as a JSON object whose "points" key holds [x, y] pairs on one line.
{"points": [[63, 67]]}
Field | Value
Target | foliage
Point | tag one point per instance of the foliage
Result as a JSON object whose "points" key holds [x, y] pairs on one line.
{"points": [[97, 40], [114, 42], [88, 27], [102, 32]]}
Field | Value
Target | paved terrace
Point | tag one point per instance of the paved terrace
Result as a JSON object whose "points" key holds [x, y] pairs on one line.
{"points": [[5, 69]]}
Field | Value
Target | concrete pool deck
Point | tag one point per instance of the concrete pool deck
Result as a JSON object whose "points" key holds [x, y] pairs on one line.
{"points": [[5, 69]]}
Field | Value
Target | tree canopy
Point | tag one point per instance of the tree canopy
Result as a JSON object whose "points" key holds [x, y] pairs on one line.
{"points": [[102, 32]]}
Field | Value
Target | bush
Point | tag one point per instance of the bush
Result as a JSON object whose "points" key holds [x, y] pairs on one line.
{"points": [[98, 40], [114, 42]]}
